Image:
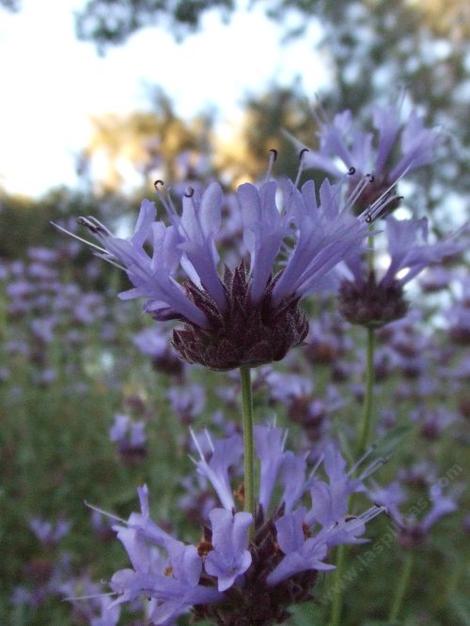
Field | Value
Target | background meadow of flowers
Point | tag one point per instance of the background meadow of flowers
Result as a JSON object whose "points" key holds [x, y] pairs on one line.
{"points": [[94, 402]]}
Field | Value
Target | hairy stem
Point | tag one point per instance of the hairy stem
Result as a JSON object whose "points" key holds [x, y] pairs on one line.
{"points": [[366, 423], [401, 587], [249, 463], [337, 604], [361, 446]]}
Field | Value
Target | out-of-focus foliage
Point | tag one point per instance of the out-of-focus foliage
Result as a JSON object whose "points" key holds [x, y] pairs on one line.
{"points": [[113, 21], [159, 144], [25, 222], [147, 141], [245, 155]]}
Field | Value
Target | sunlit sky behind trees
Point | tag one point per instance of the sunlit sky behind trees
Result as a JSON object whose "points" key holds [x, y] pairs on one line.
{"points": [[53, 85], [102, 96]]}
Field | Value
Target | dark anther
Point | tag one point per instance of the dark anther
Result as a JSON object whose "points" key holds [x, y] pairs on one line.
{"points": [[302, 152], [274, 151], [368, 218], [371, 177], [157, 183], [189, 193], [94, 228], [351, 171], [400, 198]]}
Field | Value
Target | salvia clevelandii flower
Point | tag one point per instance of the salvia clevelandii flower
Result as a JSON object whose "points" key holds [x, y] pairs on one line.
{"points": [[129, 436], [413, 528], [249, 315], [154, 343], [391, 150], [228, 577], [367, 301]]}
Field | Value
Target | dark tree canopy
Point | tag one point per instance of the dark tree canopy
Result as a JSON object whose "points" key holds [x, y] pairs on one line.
{"points": [[113, 21]]}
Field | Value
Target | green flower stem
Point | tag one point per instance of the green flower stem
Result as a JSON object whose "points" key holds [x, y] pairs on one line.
{"points": [[337, 603], [401, 587], [3, 315], [249, 462], [365, 426], [362, 443]]}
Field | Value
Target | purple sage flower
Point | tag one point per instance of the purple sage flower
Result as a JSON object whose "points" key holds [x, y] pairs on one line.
{"points": [[249, 315], [394, 148]]}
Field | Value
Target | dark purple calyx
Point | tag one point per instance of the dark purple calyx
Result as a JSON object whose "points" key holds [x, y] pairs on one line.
{"points": [[370, 303], [245, 333]]}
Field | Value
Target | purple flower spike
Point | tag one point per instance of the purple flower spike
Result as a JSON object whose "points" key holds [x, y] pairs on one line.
{"points": [[395, 148], [230, 577], [230, 557], [248, 312], [367, 301]]}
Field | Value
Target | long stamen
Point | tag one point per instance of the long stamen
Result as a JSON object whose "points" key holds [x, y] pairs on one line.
{"points": [[316, 466], [91, 597], [373, 467], [356, 192], [284, 439], [301, 166], [209, 440], [165, 199], [371, 212], [272, 160], [93, 225], [378, 208], [110, 515], [101, 253], [368, 515], [106, 257], [197, 446], [361, 460], [70, 234], [339, 187]]}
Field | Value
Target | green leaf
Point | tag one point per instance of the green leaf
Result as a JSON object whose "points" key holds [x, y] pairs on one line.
{"points": [[308, 614], [386, 445]]}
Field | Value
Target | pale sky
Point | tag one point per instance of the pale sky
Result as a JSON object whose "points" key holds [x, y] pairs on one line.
{"points": [[51, 83]]}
